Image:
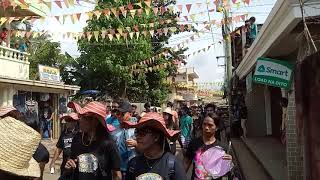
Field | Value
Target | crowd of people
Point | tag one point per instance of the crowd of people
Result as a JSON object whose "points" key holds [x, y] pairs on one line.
{"points": [[20, 45], [111, 140]]}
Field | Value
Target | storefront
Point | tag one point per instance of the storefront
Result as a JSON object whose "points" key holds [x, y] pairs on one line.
{"points": [[49, 97]]}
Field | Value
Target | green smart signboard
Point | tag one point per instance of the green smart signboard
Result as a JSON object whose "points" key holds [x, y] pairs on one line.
{"points": [[273, 73]]}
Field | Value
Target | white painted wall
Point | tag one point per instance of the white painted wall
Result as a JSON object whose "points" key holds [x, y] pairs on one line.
{"points": [[17, 69]]}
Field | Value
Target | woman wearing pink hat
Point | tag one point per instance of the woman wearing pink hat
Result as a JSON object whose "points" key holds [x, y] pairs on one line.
{"points": [[65, 141], [156, 161], [170, 124], [94, 155]]}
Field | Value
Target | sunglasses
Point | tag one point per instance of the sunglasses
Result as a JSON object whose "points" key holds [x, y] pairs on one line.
{"points": [[142, 132]]}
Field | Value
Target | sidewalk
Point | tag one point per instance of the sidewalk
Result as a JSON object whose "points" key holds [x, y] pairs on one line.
{"points": [[271, 154]]}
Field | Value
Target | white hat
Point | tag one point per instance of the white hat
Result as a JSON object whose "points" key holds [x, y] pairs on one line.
{"points": [[168, 110], [18, 142]]}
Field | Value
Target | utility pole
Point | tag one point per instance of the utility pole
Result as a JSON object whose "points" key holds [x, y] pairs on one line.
{"points": [[227, 41], [226, 30]]}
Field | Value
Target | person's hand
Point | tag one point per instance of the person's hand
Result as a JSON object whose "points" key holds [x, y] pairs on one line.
{"points": [[51, 165], [71, 164], [227, 157], [131, 143]]}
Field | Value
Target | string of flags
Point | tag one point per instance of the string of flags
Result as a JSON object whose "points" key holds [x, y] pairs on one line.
{"points": [[155, 68], [199, 51], [147, 3], [151, 60], [110, 34], [127, 32], [116, 11]]}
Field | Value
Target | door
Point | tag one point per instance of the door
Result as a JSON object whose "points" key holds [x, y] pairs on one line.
{"points": [[276, 111]]}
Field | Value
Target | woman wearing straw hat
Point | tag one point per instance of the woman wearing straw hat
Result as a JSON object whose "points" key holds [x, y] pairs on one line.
{"points": [[199, 146], [18, 142], [65, 141], [9, 111], [94, 154], [168, 118], [156, 161]]}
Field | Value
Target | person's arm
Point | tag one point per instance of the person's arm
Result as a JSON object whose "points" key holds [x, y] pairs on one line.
{"points": [[116, 175], [187, 163], [114, 160], [57, 153], [187, 159], [179, 171]]}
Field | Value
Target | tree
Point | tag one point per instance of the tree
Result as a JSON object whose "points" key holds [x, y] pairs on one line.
{"points": [[106, 65], [42, 51]]}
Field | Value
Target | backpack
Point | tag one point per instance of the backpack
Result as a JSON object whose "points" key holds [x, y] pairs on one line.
{"points": [[170, 164]]}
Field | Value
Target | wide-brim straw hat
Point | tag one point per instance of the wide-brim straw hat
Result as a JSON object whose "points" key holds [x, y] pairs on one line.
{"points": [[94, 109], [9, 109], [70, 117], [18, 142], [168, 111], [155, 121]]}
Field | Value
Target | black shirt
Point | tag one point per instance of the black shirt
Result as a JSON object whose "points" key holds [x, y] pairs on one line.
{"points": [[42, 154], [195, 146], [64, 143], [95, 161], [140, 165]]}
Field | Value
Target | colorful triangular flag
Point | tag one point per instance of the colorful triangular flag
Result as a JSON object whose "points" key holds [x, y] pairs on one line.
{"points": [[58, 3], [110, 37], [188, 6], [96, 35], [148, 3], [66, 3], [98, 14]]}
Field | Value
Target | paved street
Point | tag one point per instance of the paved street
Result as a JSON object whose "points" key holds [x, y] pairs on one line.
{"points": [[51, 146]]}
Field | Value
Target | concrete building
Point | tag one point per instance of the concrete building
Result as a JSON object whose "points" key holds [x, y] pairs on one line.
{"points": [[277, 39], [15, 86], [184, 90]]}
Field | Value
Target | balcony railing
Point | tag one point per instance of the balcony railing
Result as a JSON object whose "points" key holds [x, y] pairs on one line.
{"points": [[13, 63], [13, 54]]}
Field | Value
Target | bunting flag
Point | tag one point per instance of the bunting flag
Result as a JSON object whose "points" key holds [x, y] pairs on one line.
{"points": [[188, 6], [152, 69], [100, 34], [59, 4], [147, 4], [199, 51], [150, 60]]}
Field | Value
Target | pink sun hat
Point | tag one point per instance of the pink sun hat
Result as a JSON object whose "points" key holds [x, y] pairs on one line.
{"points": [[214, 164], [95, 109]]}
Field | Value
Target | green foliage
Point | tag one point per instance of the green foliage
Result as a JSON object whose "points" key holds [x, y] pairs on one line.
{"points": [[43, 51], [104, 65]]}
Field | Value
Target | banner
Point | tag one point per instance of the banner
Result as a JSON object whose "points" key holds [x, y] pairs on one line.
{"points": [[273, 73], [47, 73]]}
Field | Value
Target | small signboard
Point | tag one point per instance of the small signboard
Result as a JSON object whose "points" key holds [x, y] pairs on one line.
{"points": [[47, 73], [273, 73]]}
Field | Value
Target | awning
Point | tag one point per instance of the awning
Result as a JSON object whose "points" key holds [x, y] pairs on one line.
{"points": [[34, 9], [38, 86]]}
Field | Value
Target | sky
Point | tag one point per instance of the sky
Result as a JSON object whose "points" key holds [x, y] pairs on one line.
{"points": [[206, 64]]}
